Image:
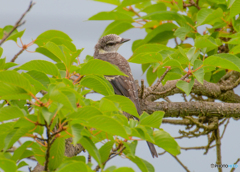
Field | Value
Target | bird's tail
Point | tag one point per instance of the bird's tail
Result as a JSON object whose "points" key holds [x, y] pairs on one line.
{"points": [[152, 149]]}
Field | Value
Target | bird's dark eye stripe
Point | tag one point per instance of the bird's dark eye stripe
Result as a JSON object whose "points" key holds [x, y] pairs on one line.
{"points": [[110, 43]]}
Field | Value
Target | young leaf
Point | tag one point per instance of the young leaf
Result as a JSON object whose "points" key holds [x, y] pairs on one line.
{"points": [[153, 120], [124, 103], [91, 148], [185, 86], [56, 153], [165, 141], [8, 165], [144, 58], [117, 27], [105, 150], [76, 132], [98, 84], [73, 166], [99, 67], [111, 15], [142, 164], [10, 112]]}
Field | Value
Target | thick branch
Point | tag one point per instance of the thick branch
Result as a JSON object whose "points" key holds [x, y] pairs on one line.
{"points": [[211, 90], [181, 109]]}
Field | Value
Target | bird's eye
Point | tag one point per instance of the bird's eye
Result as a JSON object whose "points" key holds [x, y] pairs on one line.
{"points": [[110, 44]]}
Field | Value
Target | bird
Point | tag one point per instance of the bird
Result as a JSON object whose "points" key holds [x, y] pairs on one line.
{"points": [[106, 50]]}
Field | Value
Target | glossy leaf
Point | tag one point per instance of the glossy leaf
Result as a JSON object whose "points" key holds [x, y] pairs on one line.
{"points": [[10, 112], [153, 120], [144, 58], [56, 153], [185, 86], [111, 15], [76, 132], [105, 150], [8, 165], [142, 164], [124, 103], [98, 84], [117, 27], [99, 67]]}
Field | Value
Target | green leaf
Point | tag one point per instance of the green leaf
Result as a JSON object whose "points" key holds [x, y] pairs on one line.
{"points": [[151, 75], [98, 84], [15, 79], [107, 124], [235, 50], [20, 150], [234, 9], [40, 76], [182, 32], [167, 142], [185, 86], [1, 51], [221, 62], [114, 2], [230, 57], [76, 132], [5, 128], [15, 36], [155, 7], [123, 169], [117, 27], [142, 164], [77, 166], [44, 37], [208, 16], [64, 42], [199, 74], [62, 97], [8, 91], [13, 136], [167, 15], [9, 65], [39, 152], [85, 113], [130, 147], [99, 67], [22, 164], [204, 42], [153, 120], [107, 105], [10, 112], [56, 153], [91, 148], [144, 58], [41, 66], [157, 34], [8, 165], [47, 115], [124, 103], [105, 150], [111, 15], [131, 2]]}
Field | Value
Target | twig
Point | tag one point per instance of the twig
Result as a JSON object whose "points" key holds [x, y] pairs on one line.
{"points": [[230, 87], [48, 147], [142, 89], [18, 23], [225, 127], [197, 147], [233, 169], [218, 146], [170, 89], [192, 3], [89, 158], [180, 163], [16, 56], [111, 156], [162, 153], [175, 39]]}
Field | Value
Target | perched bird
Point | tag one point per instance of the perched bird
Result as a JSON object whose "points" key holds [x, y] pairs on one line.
{"points": [[106, 49]]}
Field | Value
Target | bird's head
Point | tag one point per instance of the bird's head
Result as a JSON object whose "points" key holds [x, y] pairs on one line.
{"points": [[109, 43]]}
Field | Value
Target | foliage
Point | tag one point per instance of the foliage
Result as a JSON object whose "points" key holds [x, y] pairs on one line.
{"points": [[64, 105], [41, 96]]}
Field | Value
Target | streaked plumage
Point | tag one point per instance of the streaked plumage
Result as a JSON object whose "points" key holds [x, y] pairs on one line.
{"points": [[106, 49]]}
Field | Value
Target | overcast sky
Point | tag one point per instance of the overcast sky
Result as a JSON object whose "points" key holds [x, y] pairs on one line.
{"points": [[71, 17]]}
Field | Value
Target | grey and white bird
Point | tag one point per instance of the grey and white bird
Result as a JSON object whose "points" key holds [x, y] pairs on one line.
{"points": [[106, 49]]}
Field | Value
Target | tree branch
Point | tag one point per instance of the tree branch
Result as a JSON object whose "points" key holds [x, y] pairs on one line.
{"points": [[182, 109], [181, 163], [18, 23]]}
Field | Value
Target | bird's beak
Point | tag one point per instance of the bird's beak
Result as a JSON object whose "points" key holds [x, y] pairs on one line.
{"points": [[124, 40]]}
